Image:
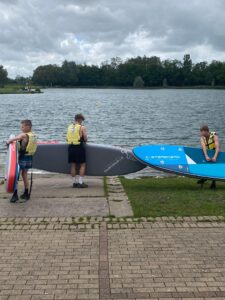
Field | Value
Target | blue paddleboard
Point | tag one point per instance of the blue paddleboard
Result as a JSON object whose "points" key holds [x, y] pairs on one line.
{"points": [[182, 160]]}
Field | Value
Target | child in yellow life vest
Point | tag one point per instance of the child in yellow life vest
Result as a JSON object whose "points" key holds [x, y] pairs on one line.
{"points": [[209, 141], [76, 136], [27, 147]]}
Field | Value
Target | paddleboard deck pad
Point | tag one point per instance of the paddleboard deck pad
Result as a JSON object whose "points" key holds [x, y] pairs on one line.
{"points": [[11, 168], [102, 160], [182, 160]]}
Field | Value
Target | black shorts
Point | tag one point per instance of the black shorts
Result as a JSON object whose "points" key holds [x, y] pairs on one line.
{"points": [[76, 154]]}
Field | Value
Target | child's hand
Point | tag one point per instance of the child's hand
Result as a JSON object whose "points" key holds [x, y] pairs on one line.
{"points": [[208, 158], [8, 142]]}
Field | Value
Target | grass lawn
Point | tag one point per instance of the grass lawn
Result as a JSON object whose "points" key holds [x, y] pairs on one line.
{"points": [[174, 196], [14, 89]]}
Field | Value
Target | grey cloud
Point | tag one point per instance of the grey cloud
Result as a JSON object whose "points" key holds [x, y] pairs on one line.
{"points": [[34, 32]]}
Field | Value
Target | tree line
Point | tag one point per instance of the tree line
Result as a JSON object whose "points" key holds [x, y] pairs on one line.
{"points": [[137, 72], [3, 76]]}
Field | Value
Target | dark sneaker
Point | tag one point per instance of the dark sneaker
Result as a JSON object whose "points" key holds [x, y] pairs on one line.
{"points": [[213, 185], [25, 196], [75, 185], [14, 198], [82, 186]]}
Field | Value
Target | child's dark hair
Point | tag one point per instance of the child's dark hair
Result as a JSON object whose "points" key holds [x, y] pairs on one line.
{"points": [[204, 128], [27, 123], [79, 117]]}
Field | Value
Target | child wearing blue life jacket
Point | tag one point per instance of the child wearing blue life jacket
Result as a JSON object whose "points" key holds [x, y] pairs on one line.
{"points": [[27, 147]]}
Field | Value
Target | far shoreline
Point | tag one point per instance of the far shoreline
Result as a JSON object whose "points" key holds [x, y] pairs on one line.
{"points": [[142, 88], [17, 90]]}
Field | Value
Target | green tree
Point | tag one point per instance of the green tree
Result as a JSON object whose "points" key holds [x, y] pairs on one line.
{"points": [[187, 69], [199, 73], [115, 62], [153, 75], [116, 72], [21, 80], [217, 72], [89, 76], [172, 71], [3, 76], [48, 75], [69, 73], [109, 72]]}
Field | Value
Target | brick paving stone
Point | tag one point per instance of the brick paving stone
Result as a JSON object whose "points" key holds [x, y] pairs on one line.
{"points": [[36, 259], [184, 260]]}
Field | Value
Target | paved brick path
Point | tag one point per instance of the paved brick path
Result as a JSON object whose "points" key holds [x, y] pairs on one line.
{"points": [[62, 258], [167, 263]]}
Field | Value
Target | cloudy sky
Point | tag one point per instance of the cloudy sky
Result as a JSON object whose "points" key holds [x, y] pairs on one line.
{"points": [[37, 32]]}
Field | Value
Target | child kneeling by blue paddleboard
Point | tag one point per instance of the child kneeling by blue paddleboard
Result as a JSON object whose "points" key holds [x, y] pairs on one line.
{"points": [[209, 141]]}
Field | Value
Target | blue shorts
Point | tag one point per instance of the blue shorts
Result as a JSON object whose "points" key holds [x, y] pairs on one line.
{"points": [[25, 162]]}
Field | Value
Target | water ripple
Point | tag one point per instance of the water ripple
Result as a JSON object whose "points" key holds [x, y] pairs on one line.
{"points": [[117, 117]]}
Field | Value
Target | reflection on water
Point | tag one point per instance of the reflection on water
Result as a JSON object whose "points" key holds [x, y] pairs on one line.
{"points": [[117, 117]]}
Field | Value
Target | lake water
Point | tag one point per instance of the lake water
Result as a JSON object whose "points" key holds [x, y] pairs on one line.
{"points": [[117, 117]]}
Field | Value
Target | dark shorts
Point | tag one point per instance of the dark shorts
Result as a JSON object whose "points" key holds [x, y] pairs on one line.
{"points": [[76, 154], [25, 162]]}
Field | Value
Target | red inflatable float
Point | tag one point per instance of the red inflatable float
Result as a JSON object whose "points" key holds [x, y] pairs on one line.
{"points": [[11, 168]]}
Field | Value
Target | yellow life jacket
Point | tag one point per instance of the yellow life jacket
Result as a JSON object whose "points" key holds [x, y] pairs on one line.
{"points": [[32, 144], [73, 134], [209, 142]]}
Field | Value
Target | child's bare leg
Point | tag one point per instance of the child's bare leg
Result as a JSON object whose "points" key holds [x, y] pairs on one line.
{"points": [[81, 177], [25, 179], [82, 169], [73, 169], [25, 195]]}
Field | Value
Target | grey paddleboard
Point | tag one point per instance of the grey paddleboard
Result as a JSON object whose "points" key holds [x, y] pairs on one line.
{"points": [[102, 160]]}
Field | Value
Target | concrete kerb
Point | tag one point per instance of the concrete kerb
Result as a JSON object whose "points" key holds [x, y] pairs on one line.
{"points": [[119, 204], [84, 223]]}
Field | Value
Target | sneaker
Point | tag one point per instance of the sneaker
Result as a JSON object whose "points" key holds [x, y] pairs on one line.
{"points": [[82, 185], [75, 185], [25, 196], [14, 198]]}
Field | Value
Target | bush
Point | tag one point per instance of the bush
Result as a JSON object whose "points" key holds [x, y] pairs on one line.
{"points": [[138, 82]]}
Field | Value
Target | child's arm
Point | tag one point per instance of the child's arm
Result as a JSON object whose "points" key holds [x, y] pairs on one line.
{"points": [[19, 137], [84, 133], [204, 150], [217, 146]]}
